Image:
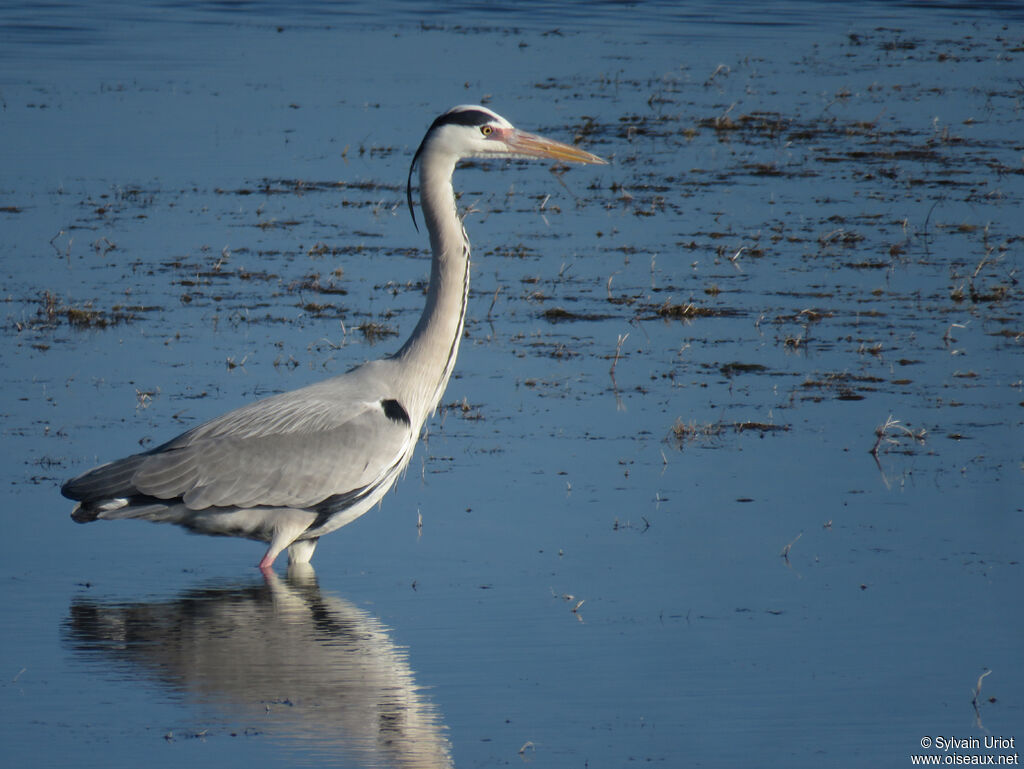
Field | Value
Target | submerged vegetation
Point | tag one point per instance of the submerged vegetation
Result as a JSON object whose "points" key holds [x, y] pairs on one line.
{"points": [[52, 311], [686, 432]]}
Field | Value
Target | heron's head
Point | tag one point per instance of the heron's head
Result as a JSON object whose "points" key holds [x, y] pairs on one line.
{"points": [[469, 131]]}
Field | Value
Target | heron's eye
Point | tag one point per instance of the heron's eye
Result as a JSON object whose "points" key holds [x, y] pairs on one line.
{"points": [[486, 130]]}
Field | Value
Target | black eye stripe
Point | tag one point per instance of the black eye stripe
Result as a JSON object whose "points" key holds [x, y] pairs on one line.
{"points": [[466, 117], [463, 117]]}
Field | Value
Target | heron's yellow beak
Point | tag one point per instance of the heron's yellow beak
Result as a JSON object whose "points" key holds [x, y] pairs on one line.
{"points": [[533, 146]]}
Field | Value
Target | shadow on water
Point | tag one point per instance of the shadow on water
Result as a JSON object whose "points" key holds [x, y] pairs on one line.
{"points": [[277, 658]]}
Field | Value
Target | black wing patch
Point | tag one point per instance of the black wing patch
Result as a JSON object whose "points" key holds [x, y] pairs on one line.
{"points": [[335, 503], [395, 411]]}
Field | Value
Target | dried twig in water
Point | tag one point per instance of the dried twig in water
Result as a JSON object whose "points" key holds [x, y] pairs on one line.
{"points": [[787, 548], [974, 698], [721, 69], [494, 300], [735, 258], [618, 352], [948, 336], [144, 397], [884, 434], [977, 688]]}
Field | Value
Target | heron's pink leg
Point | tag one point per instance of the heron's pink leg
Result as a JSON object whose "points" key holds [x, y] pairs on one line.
{"points": [[289, 524], [267, 564]]}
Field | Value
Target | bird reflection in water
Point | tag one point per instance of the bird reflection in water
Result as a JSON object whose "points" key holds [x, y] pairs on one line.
{"points": [[278, 657]]}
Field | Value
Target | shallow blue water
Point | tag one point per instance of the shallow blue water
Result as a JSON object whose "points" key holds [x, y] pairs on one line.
{"points": [[834, 189]]}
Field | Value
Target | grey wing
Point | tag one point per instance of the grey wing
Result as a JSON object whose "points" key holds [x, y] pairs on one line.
{"points": [[293, 450]]}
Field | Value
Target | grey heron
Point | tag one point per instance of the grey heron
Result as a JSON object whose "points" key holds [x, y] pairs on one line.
{"points": [[292, 467]]}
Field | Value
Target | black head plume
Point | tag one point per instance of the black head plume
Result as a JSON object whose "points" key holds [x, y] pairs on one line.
{"points": [[408, 184], [467, 116]]}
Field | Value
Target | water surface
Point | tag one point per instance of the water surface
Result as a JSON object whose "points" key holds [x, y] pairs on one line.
{"points": [[653, 529]]}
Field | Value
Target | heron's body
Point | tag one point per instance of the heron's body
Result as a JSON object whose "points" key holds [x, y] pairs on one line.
{"points": [[290, 468]]}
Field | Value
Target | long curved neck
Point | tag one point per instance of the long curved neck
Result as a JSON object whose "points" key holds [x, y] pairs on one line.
{"points": [[429, 353]]}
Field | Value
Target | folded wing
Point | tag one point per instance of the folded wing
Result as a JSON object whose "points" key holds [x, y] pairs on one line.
{"points": [[293, 450]]}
